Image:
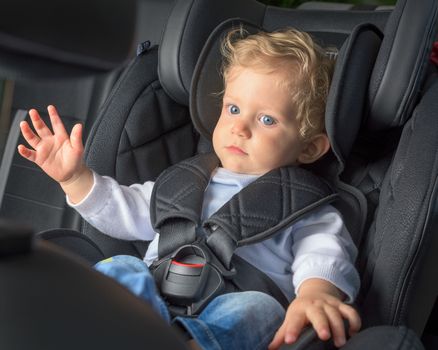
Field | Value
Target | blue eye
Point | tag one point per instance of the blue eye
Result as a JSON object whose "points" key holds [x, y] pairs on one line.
{"points": [[267, 120], [233, 109]]}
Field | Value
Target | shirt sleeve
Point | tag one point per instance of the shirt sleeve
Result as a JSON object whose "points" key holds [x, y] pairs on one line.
{"points": [[323, 248], [119, 211]]}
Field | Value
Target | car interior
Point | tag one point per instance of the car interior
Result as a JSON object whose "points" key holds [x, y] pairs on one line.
{"points": [[144, 111]]}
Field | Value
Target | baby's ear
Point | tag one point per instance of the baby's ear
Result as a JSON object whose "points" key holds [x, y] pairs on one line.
{"points": [[314, 149]]}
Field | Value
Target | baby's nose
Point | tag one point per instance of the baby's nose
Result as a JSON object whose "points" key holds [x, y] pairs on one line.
{"points": [[241, 128]]}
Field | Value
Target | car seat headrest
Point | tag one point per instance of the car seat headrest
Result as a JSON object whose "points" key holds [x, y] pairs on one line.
{"points": [[346, 100], [94, 35], [188, 26], [401, 63], [348, 95]]}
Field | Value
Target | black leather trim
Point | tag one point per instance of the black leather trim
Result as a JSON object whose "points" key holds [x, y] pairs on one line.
{"points": [[347, 98], [170, 48], [401, 63]]}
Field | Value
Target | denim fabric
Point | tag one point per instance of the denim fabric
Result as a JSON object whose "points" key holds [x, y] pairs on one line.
{"points": [[243, 320], [134, 274]]}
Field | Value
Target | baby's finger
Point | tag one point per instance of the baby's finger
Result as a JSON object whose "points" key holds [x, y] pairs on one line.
{"points": [[57, 124], [350, 313], [29, 135], [27, 153], [278, 339], [320, 323], [76, 138], [39, 125], [336, 325], [294, 327]]}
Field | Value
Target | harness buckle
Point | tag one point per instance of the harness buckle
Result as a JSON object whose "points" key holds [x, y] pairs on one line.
{"points": [[190, 278]]}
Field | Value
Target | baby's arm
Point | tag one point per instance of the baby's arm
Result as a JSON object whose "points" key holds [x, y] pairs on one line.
{"points": [[58, 154], [320, 304], [324, 276]]}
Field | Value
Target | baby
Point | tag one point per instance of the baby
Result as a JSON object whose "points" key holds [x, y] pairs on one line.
{"points": [[276, 86]]}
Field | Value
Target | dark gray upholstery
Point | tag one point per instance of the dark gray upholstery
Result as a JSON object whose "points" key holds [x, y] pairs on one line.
{"points": [[385, 337], [140, 131], [399, 257]]}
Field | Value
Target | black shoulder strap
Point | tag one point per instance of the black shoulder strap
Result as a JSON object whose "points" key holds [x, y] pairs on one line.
{"points": [[272, 202], [269, 204], [176, 201]]}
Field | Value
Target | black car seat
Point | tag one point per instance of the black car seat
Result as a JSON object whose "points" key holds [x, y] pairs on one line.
{"points": [[26, 194], [394, 89]]}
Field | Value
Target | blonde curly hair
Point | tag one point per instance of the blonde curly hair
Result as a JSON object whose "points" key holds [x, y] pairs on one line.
{"points": [[309, 69]]}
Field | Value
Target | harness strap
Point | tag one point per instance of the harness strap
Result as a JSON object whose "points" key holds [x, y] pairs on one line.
{"points": [[173, 237], [177, 201], [248, 277]]}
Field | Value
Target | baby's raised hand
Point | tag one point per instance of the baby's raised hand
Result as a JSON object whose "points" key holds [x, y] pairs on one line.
{"points": [[57, 153], [324, 310]]}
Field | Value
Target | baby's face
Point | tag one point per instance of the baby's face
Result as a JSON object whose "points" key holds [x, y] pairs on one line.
{"points": [[257, 130]]}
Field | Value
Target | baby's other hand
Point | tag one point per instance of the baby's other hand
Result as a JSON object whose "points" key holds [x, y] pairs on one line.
{"points": [[320, 304], [57, 153]]}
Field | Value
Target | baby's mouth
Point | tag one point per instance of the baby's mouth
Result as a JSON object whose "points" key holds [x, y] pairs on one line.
{"points": [[235, 150]]}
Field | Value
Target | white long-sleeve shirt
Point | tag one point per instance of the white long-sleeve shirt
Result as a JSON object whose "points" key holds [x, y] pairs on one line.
{"points": [[317, 246]]}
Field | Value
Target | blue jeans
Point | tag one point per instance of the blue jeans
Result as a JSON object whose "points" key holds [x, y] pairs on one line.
{"points": [[242, 320]]}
